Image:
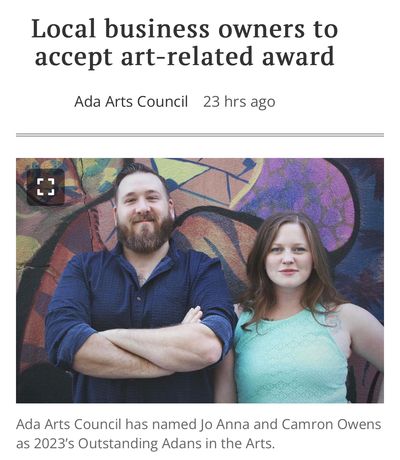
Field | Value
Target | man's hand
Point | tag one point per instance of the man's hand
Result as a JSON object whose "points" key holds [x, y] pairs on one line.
{"points": [[193, 316]]}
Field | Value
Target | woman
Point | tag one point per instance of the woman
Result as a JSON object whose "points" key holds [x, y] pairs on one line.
{"points": [[295, 332]]}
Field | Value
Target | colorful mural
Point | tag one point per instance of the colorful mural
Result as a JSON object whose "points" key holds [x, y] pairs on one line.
{"points": [[220, 203]]}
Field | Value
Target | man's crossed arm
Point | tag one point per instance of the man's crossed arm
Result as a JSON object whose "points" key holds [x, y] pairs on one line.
{"points": [[149, 353]]}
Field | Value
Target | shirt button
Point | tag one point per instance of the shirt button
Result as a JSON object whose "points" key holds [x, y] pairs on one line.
{"points": [[138, 298]]}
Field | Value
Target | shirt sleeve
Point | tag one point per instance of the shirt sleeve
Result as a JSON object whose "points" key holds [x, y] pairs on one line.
{"points": [[68, 316], [211, 293]]}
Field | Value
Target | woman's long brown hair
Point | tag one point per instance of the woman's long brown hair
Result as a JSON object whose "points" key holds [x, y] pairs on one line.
{"points": [[260, 297]]}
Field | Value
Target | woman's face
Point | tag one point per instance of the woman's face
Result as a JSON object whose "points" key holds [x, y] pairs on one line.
{"points": [[289, 261]]}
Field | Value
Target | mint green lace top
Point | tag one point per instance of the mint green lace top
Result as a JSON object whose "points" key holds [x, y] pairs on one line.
{"points": [[293, 360]]}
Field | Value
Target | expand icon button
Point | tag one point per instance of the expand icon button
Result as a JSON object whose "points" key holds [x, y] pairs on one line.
{"points": [[45, 187]]}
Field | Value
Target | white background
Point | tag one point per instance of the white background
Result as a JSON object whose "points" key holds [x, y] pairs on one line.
{"points": [[358, 95]]}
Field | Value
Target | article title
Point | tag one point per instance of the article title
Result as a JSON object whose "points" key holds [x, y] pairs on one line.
{"points": [[197, 54]]}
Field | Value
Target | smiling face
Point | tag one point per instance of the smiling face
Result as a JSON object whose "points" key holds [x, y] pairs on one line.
{"points": [[144, 214], [289, 260]]}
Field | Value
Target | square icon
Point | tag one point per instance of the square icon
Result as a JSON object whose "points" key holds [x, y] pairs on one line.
{"points": [[45, 187]]}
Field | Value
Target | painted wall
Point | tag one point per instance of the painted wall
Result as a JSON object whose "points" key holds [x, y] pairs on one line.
{"points": [[220, 203]]}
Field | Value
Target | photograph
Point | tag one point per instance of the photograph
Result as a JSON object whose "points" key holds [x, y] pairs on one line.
{"points": [[199, 280]]}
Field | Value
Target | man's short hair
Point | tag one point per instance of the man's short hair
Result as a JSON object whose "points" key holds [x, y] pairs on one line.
{"points": [[132, 168]]}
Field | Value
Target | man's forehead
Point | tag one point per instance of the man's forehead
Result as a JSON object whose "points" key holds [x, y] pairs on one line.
{"points": [[140, 182]]}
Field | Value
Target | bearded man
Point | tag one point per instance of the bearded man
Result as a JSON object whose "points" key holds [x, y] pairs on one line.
{"points": [[144, 322]]}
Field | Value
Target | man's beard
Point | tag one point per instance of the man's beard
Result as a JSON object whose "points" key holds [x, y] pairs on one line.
{"points": [[145, 241]]}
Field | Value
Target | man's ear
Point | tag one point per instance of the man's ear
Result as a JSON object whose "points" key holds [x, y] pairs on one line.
{"points": [[115, 215], [171, 207]]}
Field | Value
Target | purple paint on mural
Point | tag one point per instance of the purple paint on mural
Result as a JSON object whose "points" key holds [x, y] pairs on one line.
{"points": [[313, 186]]}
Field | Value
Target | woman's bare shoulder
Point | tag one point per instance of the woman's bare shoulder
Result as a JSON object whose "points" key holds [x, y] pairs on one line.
{"points": [[239, 309], [350, 309], [354, 316]]}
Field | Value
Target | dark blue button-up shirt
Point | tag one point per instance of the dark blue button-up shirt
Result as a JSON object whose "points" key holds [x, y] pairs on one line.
{"points": [[100, 291]]}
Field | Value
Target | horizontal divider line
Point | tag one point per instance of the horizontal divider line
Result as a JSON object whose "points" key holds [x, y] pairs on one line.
{"points": [[199, 134]]}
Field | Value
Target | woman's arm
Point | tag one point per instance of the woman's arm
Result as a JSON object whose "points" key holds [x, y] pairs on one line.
{"points": [[224, 377], [366, 334], [224, 381]]}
